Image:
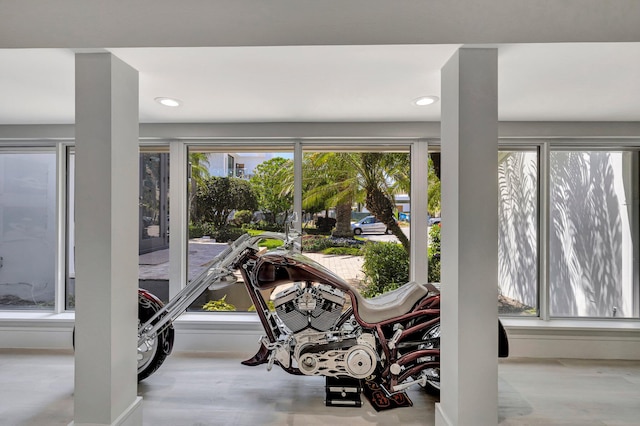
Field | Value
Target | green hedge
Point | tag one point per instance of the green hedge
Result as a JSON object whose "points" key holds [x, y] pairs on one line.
{"points": [[433, 254], [343, 251], [386, 266], [226, 234]]}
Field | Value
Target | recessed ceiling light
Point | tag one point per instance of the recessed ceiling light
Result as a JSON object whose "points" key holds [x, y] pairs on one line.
{"points": [[170, 102], [425, 100]]}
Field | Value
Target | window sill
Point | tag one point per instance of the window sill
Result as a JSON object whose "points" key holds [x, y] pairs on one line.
{"points": [[40, 319], [239, 332], [571, 324], [250, 319]]}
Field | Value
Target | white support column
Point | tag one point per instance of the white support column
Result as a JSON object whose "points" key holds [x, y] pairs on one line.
{"points": [[297, 183], [61, 224], [419, 235], [106, 225], [178, 217], [543, 232], [469, 340]]}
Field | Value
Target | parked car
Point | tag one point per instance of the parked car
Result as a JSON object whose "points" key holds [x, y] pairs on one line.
{"points": [[433, 221], [369, 225]]}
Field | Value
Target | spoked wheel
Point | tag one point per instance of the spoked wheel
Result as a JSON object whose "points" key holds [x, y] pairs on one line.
{"points": [[431, 340], [153, 351]]}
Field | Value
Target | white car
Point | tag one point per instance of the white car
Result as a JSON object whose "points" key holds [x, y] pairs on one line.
{"points": [[369, 225]]}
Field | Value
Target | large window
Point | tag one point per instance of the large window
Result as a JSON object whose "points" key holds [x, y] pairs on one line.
{"points": [[358, 215], [593, 233], [27, 229], [153, 216], [153, 229], [575, 255], [232, 192], [518, 232]]}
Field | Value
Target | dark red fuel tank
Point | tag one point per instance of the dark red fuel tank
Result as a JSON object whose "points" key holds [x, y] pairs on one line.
{"points": [[276, 268]]}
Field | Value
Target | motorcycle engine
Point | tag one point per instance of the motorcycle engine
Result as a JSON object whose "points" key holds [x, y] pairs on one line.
{"points": [[318, 307], [319, 347]]}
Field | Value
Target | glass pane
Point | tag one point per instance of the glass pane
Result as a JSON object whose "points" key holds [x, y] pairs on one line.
{"points": [[153, 231], [357, 216], [591, 241], [518, 232], [70, 288], [434, 219], [27, 230], [153, 260], [232, 193]]}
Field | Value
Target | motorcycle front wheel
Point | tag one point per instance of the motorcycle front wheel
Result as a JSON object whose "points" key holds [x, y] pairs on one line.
{"points": [[153, 351]]}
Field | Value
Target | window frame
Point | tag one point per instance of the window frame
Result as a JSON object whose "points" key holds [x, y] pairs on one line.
{"points": [[544, 145], [575, 145]]}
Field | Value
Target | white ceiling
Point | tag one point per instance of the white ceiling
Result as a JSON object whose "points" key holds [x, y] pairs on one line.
{"points": [[537, 82]]}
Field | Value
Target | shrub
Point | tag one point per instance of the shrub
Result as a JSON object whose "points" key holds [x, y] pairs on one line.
{"points": [[263, 225], [227, 234], [242, 217], [197, 230], [325, 224], [386, 266], [217, 197], [219, 305], [314, 243], [343, 251], [318, 243], [433, 254]]}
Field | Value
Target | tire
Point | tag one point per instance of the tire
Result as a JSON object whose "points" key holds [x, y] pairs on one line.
{"points": [[152, 354], [151, 359], [388, 232], [431, 339], [357, 231]]}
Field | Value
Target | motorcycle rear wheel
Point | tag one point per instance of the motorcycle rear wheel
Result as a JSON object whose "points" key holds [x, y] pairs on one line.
{"points": [[432, 341]]}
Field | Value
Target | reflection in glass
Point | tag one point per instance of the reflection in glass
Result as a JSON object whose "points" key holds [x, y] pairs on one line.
{"points": [[153, 230], [154, 194], [517, 232], [591, 244], [27, 230], [153, 216]]}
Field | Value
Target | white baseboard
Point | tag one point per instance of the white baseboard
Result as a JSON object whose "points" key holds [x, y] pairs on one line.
{"points": [[573, 339], [441, 417], [132, 416]]}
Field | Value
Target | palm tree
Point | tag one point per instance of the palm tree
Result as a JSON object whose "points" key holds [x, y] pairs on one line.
{"points": [[198, 162], [376, 171], [370, 177], [329, 179], [340, 179]]}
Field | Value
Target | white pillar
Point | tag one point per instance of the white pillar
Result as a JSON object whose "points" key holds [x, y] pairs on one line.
{"points": [[469, 340], [297, 183], [178, 217], [419, 265], [106, 216]]}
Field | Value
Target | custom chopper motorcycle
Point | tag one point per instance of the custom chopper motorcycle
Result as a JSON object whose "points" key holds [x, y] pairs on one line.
{"points": [[315, 323]]}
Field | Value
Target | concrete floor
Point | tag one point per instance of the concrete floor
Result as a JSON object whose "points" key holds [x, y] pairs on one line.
{"points": [[198, 389]]}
